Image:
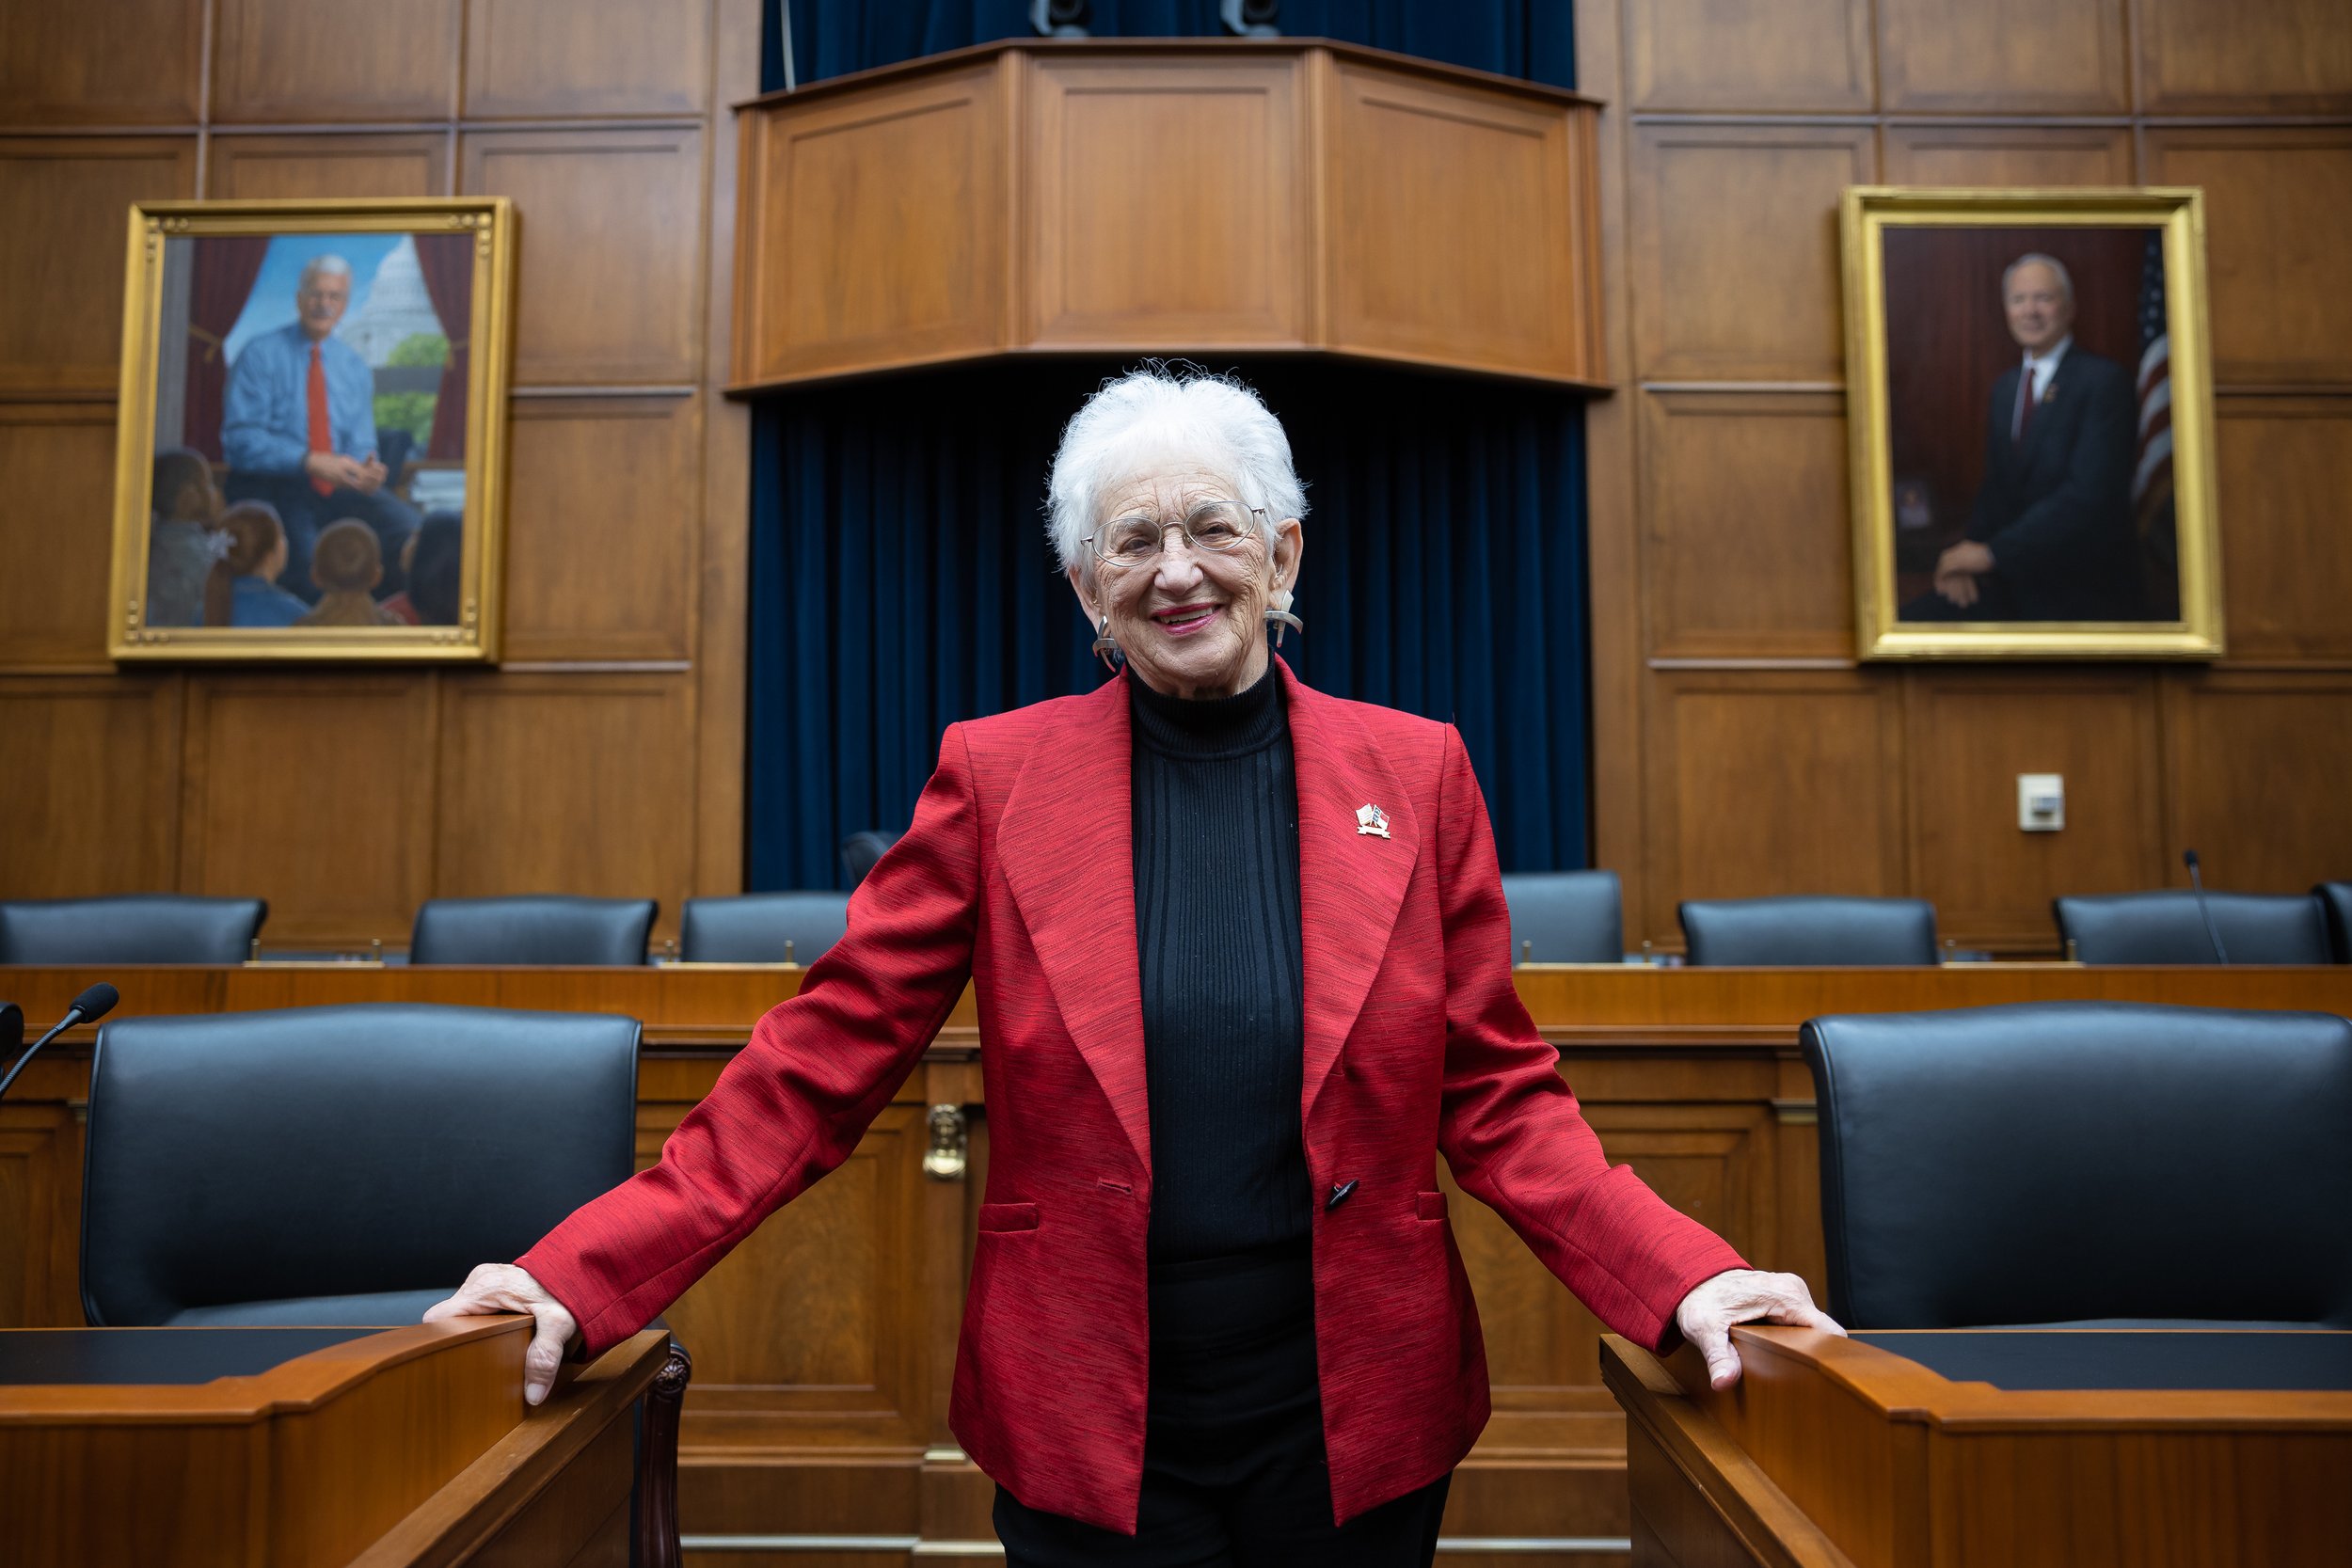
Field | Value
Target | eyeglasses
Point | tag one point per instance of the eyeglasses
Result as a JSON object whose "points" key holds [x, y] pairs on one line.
{"points": [[1211, 528]]}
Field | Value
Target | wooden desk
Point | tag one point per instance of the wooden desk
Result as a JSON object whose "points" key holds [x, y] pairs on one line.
{"points": [[2017, 1449], [308, 1447], [824, 1344]]}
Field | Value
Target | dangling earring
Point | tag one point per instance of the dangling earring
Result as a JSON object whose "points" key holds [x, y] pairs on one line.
{"points": [[1105, 649], [1279, 616]]}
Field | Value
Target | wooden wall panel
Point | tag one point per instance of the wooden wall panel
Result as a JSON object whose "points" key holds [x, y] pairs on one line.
{"points": [[2218, 57], [2002, 56], [2008, 155], [1728, 55], [315, 792], [1209, 200], [335, 60], [597, 566], [2285, 479], [62, 251], [1969, 734], [91, 791], [609, 282], [565, 783], [2258, 761], [1748, 535], [62, 62], [587, 57], [1734, 249], [2279, 225], [58, 460], [321, 167], [41, 1214]]}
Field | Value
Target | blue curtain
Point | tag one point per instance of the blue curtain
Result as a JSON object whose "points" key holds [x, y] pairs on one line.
{"points": [[900, 578]]}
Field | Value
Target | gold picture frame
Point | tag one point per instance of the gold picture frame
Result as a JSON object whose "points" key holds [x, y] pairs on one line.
{"points": [[407, 342], [2115, 549]]}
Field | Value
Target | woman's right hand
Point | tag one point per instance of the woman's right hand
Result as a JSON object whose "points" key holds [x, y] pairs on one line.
{"points": [[504, 1288]]}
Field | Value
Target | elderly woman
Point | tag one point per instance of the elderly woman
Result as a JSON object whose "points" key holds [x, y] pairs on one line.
{"points": [[1243, 972]]}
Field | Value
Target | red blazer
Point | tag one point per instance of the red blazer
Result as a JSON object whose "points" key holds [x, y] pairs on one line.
{"points": [[1018, 872]]}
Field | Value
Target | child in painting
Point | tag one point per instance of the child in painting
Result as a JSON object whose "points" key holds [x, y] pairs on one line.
{"points": [[346, 563], [243, 588], [432, 558], [182, 544]]}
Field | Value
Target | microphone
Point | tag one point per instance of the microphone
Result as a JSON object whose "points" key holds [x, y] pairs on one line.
{"points": [[2197, 885], [11, 1026], [89, 1007]]}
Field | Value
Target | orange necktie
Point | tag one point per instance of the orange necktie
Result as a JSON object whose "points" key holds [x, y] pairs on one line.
{"points": [[321, 429]]}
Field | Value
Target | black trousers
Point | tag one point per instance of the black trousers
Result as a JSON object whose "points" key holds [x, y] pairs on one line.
{"points": [[1234, 1474]]}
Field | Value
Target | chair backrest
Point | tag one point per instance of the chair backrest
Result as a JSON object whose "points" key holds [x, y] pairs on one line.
{"points": [[860, 850], [2335, 902], [2057, 1162], [1566, 917], [537, 929], [335, 1151], [2164, 927], [754, 927], [132, 928], [1807, 930]]}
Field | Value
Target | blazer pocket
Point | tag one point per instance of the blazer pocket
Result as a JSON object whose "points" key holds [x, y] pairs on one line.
{"points": [[1007, 1216], [1429, 1206]]}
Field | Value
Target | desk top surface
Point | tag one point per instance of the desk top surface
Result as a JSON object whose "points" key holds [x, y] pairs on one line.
{"points": [[2023, 1360], [155, 1357]]}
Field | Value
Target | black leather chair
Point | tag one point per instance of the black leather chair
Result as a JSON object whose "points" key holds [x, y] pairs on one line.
{"points": [[1807, 931], [2335, 902], [2164, 927], [1566, 917], [762, 927], [860, 850], [135, 928], [537, 929], [2101, 1162]]}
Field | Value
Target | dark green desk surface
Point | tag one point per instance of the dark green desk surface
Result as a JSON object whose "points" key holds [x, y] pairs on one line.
{"points": [[156, 1356], [2024, 1360]]}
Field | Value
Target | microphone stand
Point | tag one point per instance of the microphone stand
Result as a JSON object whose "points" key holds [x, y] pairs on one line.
{"points": [[2197, 885]]}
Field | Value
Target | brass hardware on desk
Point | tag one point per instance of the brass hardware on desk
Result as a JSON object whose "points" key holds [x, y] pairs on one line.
{"points": [[944, 1161]]}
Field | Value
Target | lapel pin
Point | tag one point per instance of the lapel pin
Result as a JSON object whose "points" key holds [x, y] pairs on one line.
{"points": [[1371, 819]]}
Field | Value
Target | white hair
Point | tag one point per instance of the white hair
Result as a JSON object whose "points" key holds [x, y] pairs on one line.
{"points": [[2057, 268], [323, 266], [1160, 411]]}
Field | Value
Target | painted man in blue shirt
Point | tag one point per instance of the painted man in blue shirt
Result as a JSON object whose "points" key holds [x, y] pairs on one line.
{"points": [[298, 429]]}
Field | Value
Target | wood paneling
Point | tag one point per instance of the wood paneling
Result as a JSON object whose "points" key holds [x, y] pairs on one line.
{"points": [[41, 1214], [609, 285], [1734, 249], [2285, 474], [1969, 735], [2002, 56], [1773, 783], [2279, 225], [1166, 203], [1727, 54], [2257, 762], [334, 60], [565, 783], [2214, 56], [597, 564], [2008, 155], [588, 57], [61, 252], [92, 793], [54, 548], [1748, 535], [62, 62], [340, 845], [323, 167]]}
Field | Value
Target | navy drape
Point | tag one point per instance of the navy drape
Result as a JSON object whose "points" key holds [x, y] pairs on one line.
{"points": [[902, 579]]}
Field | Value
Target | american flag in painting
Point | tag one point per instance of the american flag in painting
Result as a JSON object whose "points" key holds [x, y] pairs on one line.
{"points": [[2151, 468]]}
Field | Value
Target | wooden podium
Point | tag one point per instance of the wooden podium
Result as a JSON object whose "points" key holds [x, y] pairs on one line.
{"points": [[301, 1448], [1993, 1449]]}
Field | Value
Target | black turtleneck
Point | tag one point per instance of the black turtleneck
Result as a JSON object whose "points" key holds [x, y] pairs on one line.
{"points": [[1215, 804]]}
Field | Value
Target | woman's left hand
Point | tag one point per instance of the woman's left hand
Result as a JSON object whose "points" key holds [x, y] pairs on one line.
{"points": [[1744, 1296]]}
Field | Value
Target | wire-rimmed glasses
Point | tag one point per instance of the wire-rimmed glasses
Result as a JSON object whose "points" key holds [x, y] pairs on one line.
{"points": [[1211, 528]]}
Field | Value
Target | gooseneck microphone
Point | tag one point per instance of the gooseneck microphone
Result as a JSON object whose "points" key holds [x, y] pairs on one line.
{"points": [[2197, 885], [89, 1007]]}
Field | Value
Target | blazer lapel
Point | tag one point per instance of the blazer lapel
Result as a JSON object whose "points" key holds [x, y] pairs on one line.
{"points": [[1065, 846], [1351, 882]]}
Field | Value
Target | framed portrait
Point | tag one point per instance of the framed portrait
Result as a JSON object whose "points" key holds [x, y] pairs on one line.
{"points": [[312, 440], [2029, 401]]}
